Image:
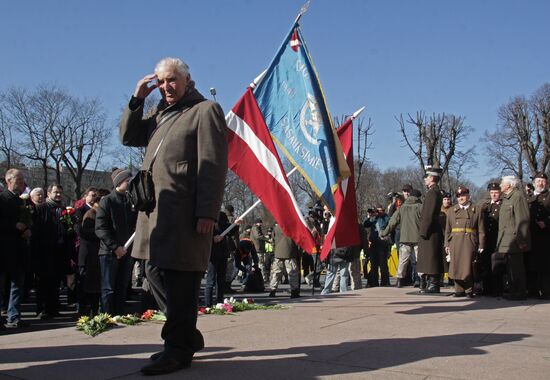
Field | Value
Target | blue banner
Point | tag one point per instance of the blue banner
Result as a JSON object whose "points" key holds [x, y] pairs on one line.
{"points": [[292, 103]]}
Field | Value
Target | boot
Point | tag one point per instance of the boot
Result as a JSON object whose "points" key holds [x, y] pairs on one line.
{"points": [[295, 293], [433, 285], [399, 283], [423, 283]]}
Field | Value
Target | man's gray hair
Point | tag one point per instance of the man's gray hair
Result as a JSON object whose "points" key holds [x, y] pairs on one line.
{"points": [[510, 179], [172, 63], [11, 174]]}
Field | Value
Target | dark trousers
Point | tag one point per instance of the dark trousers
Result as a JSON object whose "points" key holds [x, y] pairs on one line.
{"points": [[47, 293], [155, 281], [181, 292], [516, 275], [215, 277], [379, 261], [116, 275]]}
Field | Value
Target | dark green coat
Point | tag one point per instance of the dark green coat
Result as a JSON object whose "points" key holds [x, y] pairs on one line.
{"points": [[430, 243], [189, 176], [514, 235]]}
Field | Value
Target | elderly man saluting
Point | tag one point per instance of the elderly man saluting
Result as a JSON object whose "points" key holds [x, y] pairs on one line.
{"points": [[464, 235], [186, 140]]}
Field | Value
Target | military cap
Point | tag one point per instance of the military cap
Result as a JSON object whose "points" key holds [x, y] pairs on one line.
{"points": [[446, 194], [493, 186], [462, 190], [433, 171], [541, 175], [407, 188]]}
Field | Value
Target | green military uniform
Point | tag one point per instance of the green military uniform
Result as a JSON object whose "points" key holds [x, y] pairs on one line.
{"points": [[537, 261], [464, 235]]}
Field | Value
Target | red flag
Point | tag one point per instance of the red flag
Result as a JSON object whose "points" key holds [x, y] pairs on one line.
{"points": [[253, 157], [343, 230]]}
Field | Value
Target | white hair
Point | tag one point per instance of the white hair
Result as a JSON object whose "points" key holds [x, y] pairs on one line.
{"points": [[172, 63], [511, 180], [37, 190]]}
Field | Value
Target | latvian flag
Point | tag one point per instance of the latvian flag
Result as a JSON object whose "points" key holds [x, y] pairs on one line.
{"points": [[343, 230], [253, 157]]}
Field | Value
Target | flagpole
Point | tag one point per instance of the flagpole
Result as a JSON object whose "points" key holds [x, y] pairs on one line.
{"points": [[303, 10], [131, 239]]}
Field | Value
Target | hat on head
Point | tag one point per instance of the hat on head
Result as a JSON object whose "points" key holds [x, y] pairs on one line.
{"points": [[433, 171], [119, 175], [541, 175], [493, 186], [416, 193], [462, 190], [407, 188], [446, 194]]}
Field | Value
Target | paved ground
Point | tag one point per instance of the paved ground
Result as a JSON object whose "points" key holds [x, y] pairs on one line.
{"points": [[383, 333]]}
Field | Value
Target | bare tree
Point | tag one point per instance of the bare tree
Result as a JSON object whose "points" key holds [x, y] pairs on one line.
{"points": [[7, 140], [434, 140], [35, 115], [521, 140], [82, 136]]}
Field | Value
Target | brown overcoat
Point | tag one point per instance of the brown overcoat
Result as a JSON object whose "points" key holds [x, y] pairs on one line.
{"points": [[189, 176], [430, 243], [464, 234]]}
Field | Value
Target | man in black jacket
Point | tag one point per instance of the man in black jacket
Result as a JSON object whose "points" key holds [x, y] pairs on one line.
{"points": [[115, 223], [14, 231]]}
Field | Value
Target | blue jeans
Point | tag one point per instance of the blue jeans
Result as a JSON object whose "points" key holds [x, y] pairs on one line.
{"points": [[342, 268], [215, 277], [17, 281], [116, 275]]}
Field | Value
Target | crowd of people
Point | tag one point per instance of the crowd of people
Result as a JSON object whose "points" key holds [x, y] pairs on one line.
{"points": [[497, 246]]}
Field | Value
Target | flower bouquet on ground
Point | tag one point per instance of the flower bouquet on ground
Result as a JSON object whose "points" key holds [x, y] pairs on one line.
{"points": [[231, 305], [153, 315], [95, 325]]}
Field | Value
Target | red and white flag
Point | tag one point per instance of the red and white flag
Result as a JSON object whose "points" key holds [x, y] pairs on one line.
{"points": [[253, 157], [343, 230]]}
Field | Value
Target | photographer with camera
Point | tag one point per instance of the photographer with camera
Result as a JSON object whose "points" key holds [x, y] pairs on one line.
{"points": [[379, 247]]}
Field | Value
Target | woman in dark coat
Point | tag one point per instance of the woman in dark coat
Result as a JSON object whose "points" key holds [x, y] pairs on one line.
{"points": [[88, 265]]}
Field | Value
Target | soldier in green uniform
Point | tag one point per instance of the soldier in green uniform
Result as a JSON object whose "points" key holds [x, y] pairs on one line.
{"points": [[464, 236], [492, 282]]}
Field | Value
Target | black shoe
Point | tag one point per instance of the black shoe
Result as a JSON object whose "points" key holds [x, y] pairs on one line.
{"points": [[470, 295], [18, 323], [272, 293], [398, 284], [156, 355], [164, 364], [459, 294], [295, 294], [44, 316], [417, 284]]}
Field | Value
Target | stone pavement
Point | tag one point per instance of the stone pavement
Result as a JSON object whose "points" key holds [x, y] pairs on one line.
{"points": [[383, 333]]}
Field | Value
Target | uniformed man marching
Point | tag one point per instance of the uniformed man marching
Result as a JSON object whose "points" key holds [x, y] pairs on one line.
{"points": [[492, 282], [537, 262], [464, 236]]}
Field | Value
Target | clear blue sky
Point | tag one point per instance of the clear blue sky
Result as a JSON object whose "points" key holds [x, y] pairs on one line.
{"points": [[464, 57]]}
